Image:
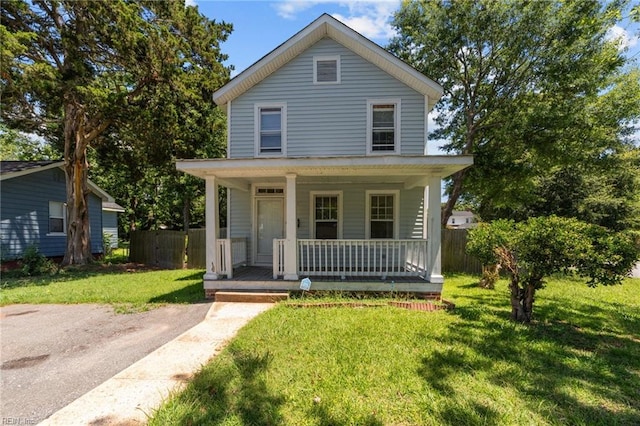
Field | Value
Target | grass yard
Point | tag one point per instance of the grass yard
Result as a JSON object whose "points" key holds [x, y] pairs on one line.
{"points": [[113, 284], [578, 363]]}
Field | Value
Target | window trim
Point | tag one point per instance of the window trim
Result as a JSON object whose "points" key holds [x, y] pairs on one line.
{"points": [[317, 59], [396, 212], [397, 113], [64, 219], [258, 107], [312, 211]]}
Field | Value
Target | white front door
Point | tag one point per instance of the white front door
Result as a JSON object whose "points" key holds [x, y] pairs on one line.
{"points": [[269, 225]]}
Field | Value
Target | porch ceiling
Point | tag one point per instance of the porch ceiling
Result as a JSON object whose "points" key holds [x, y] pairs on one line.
{"points": [[410, 170]]}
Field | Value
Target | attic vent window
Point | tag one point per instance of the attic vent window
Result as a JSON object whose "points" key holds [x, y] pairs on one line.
{"points": [[326, 69]]}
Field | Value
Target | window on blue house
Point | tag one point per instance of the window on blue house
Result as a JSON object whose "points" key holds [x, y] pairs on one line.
{"points": [[57, 218]]}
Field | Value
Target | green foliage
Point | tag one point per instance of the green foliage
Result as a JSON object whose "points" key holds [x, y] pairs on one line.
{"points": [[34, 263], [540, 247], [611, 256], [483, 239], [17, 146], [106, 244], [530, 89]]}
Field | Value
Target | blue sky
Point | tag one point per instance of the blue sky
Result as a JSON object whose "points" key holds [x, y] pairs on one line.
{"points": [[261, 26]]}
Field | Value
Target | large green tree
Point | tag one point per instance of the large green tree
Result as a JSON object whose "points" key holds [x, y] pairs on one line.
{"points": [[76, 69], [525, 91]]}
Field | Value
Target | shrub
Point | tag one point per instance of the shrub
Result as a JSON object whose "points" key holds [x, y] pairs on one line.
{"points": [[35, 263]]}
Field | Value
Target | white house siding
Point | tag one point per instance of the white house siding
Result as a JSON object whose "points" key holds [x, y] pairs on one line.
{"points": [[327, 119], [239, 220], [25, 214]]}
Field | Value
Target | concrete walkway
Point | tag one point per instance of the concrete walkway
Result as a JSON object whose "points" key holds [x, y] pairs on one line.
{"points": [[131, 396]]}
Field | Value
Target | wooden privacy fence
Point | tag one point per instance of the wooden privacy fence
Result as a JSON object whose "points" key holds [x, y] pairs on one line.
{"points": [[167, 249], [454, 253], [164, 249]]}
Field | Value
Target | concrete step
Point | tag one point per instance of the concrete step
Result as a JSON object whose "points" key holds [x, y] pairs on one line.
{"points": [[249, 296]]}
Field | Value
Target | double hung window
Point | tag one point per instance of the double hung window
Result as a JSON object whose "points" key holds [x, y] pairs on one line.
{"points": [[57, 218], [383, 126], [382, 214], [270, 129], [326, 215]]}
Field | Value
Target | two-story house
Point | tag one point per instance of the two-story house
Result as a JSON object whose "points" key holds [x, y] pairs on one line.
{"points": [[327, 170]]}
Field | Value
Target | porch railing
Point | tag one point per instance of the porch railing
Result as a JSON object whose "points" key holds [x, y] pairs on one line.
{"points": [[231, 252], [344, 258], [278, 258]]}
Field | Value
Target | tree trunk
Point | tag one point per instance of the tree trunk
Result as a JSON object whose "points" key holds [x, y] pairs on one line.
{"points": [[521, 301], [452, 199], [186, 213], [75, 167]]}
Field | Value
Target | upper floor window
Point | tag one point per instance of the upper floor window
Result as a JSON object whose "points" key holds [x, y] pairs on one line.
{"points": [[326, 69], [383, 126], [57, 218], [271, 128]]}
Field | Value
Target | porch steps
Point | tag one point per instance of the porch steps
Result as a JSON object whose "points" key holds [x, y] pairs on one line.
{"points": [[250, 296]]}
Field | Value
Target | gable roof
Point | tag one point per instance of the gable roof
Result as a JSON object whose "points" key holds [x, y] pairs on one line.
{"points": [[14, 169], [327, 26], [11, 169]]}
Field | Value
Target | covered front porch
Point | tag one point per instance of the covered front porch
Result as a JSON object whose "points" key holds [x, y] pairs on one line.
{"points": [[324, 219]]}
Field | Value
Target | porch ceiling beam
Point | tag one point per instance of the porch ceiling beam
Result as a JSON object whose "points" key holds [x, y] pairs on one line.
{"points": [[415, 181], [241, 185]]}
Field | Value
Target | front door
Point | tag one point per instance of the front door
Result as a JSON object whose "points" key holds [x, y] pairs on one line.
{"points": [[269, 225]]}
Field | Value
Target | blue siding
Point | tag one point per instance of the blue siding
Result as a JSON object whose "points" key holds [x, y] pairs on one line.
{"points": [[327, 119], [24, 214]]}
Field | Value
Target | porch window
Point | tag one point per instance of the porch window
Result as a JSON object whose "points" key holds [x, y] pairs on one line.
{"points": [[326, 215], [270, 129], [326, 69], [382, 212], [57, 218], [383, 126]]}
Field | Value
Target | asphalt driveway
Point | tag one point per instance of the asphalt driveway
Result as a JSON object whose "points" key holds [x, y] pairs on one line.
{"points": [[52, 354]]}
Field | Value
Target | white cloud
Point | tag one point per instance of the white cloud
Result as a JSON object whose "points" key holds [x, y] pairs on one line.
{"points": [[289, 9], [368, 17], [190, 3], [624, 38], [371, 18]]}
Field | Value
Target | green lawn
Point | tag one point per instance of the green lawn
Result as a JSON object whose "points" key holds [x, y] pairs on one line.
{"points": [[578, 363], [112, 284]]}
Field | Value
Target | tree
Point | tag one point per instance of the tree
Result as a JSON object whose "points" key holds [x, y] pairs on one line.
{"points": [[78, 68], [18, 146], [525, 87], [532, 250]]}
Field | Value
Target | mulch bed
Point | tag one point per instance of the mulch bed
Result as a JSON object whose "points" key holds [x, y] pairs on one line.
{"points": [[414, 306]]}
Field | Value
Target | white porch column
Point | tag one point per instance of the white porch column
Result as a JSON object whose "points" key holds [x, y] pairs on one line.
{"points": [[211, 221], [434, 233], [291, 233]]}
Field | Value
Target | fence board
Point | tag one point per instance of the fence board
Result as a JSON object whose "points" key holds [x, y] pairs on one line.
{"points": [[454, 253], [196, 249], [165, 249]]}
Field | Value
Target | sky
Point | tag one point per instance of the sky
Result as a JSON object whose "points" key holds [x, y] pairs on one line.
{"points": [[261, 26]]}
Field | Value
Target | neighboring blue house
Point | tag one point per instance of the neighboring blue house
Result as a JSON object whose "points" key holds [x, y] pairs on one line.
{"points": [[32, 210], [327, 170]]}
